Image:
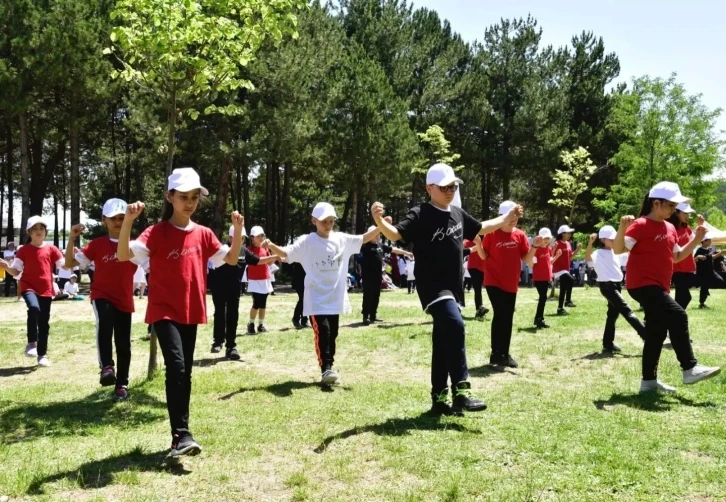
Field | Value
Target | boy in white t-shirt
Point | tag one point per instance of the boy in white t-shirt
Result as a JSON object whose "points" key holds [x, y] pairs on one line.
{"points": [[410, 275], [324, 254]]}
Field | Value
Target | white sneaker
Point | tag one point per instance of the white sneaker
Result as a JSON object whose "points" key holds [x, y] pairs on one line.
{"points": [[330, 377], [43, 361], [656, 386], [700, 372], [31, 350]]}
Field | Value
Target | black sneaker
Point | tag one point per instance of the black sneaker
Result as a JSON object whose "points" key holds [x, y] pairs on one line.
{"points": [[304, 323], [216, 348], [511, 363], [261, 328], [464, 400], [481, 312], [121, 394], [611, 348], [540, 324], [108, 376], [562, 312], [570, 305], [232, 354], [497, 360], [440, 403], [297, 324], [184, 444], [251, 329], [702, 306], [366, 321]]}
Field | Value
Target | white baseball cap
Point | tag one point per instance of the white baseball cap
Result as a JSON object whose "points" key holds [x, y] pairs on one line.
{"points": [[33, 220], [186, 179], [565, 229], [323, 210], [114, 207], [371, 228], [684, 207], [231, 231], [441, 175], [255, 231], [545, 233], [669, 191], [707, 237], [506, 206], [607, 232]]}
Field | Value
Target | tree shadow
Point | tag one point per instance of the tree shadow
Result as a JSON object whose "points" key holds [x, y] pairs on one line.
{"points": [[486, 370], [18, 370], [283, 389], [650, 401], [213, 361], [398, 427], [100, 473], [27, 421], [595, 356]]}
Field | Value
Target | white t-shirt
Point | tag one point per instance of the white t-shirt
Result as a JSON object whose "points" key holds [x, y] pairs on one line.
{"points": [[409, 270], [326, 264], [139, 275], [64, 273], [402, 262], [71, 288], [608, 265], [8, 255]]}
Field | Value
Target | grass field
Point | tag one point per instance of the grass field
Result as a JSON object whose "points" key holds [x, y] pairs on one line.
{"points": [[567, 425]]}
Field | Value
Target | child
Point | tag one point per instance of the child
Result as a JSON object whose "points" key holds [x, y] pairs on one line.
{"points": [[707, 276], [504, 250], [476, 273], [259, 281], [437, 230], [561, 267], [298, 285], [36, 260], [542, 273], [684, 272], [653, 246], [71, 288], [410, 275], [178, 250], [112, 296], [324, 254], [140, 281], [608, 267]]}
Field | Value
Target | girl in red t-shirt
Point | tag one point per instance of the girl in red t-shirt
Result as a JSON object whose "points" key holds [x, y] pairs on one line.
{"points": [[654, 248], [504, 251], [684, 272], [112, 296], [259, 281], [561, 267], [475, 265], [178, 251], [36, 260], [542, 274]]}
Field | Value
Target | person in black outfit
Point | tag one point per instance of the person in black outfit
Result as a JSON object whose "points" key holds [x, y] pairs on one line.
{"points": [[372, 274], [298, 284], [226, 286], [707, 276], [9, 256]]}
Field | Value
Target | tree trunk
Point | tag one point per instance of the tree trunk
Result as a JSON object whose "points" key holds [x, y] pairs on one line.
{"points": [[279, 222], [116, 174], [127, 175], [347, 209], [238, 169], [485, 189], [55, 221], [76, 174], [24, 171], [170, 143], [222, 187], [354, 208], [11, 193], [246, 192], [2, 196], [65, 203], [506, 170], [285, 213]]}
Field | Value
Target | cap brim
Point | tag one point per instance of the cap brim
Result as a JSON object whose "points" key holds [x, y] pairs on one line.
{"points": [[114, 213], [189, 188], [680, 199], [448, 180], [324, 216]]}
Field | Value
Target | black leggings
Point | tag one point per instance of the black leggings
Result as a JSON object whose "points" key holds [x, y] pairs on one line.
{"points": [[566, 283], [683, 281], [259, 300], [542, 288], [663, 316], [113, 326], [617, 306], [503, 306], [477, 279]]}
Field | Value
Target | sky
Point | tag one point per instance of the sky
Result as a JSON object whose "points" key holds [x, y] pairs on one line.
{"points": [[650, 37]]}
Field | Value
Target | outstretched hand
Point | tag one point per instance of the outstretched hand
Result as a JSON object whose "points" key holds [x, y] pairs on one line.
{"points": [[627, 220], [537, 242], [701, 232], [701, 219], [134, 210], [377, 211], [592, 238]]}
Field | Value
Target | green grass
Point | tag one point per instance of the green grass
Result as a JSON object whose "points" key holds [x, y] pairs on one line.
{"points": [[567, 425]]}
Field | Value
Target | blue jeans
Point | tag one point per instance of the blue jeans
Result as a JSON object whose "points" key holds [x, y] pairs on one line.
{"points": [[448, 359], [38, 317]]}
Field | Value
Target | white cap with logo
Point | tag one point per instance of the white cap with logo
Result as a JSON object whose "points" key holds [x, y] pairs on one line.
{"points": [[442, 175], [607, 232], [114, 207], [685, 207], [545, 233], [186, 179], [255, 231], [669, 191], [565, 229], [506, 206], [323, 210], [33, 220]]}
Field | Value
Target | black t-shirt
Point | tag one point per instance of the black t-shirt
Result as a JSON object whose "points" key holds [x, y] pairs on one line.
{"points": [[438, 246], [372, 259], [230, 273], [704, 267]]}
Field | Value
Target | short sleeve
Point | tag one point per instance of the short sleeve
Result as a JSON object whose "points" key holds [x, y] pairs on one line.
{"points": [[214, 250], [17, 264], [140, 247], [408, 226], [676, 248], [633, 234], [524, 245], [58, 258], [353, 243], [472, 226], [296, 251], [82, 260]]}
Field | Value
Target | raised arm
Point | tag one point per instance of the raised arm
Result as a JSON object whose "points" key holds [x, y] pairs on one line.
{"points": [[556, 256], [691, 246], [619, 244], [384, 225], [70, 256], [133, 211], [588, 251], [495, 224], [4, 265], [478, 247], [277, 250], [232, 256], [402, 252], [372, 234], [529, 257]]}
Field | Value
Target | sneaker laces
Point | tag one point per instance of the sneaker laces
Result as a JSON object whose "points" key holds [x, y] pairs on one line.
{"points": [[465, 393], [441, 397]]}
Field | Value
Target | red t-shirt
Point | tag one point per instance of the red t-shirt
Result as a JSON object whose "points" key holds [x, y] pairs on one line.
{"points": [[178, 271], [563, 262], [687, 265], [542, 270], [258, 272], [38, 265], [503, 265], [113, 279], [475, 261], [651, 257]]}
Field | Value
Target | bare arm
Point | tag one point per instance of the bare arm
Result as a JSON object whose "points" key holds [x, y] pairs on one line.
{"points": [[385, 225], [373, 234], [556, 256], [133, 211], [529, 257], [276, 250], [232, 256], [401, 252], [269, 259], [7, 268], [691, 246], [588, 251], [619, 244], [70, 256], [500, 221]]}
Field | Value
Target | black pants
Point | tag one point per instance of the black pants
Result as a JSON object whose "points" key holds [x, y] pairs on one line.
{"points": [[477, 280], [298, 314], [9, 281], [325, 328], [371, 296], [411, 286], [225, 295], [566, 283], [542, 288], [663, 316], [709, 282], [503, 307], [38, 320], [617, 306], [113, 324], [177, 345], [683, 282], [448, 357], [62, 283], [403, 280]]}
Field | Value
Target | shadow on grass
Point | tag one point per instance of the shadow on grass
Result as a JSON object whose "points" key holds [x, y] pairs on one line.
{"points": [[650, 401], [403, 325], [486, 370], [595, 356], [26, 421], [531, 330], [100, 473], [283, 389], [18, 370], [213, 361], [398, 427]]}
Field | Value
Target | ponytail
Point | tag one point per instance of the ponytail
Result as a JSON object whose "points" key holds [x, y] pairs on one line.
{"points": [[647, 206], [168, 208]]}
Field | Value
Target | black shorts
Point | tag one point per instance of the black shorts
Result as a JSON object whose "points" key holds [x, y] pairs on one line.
{"points": [[259, 300]]}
